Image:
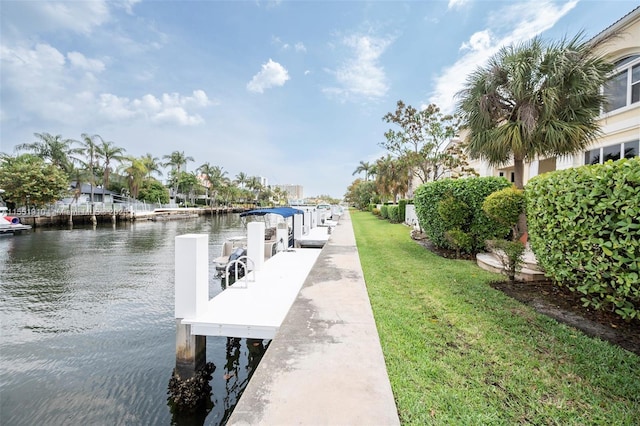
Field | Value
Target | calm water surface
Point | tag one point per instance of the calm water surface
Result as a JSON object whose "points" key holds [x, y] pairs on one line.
{"points": [[88, 333]]}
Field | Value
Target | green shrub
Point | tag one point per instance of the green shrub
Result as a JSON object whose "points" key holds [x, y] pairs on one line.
{"points": [[394, 214], [506, 206], [384, 211], [469, 191], [511, 255], [375, 211], [459, 240], [453, 212], [402, 210], [584, 227]]}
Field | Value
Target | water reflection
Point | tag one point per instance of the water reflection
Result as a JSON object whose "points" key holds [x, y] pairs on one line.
{"points": [[242, 358], [88, 334]]}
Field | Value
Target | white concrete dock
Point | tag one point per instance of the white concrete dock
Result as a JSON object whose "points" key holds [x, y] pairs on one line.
{"points": [[325, 365], [256, 305], [316, 237]]}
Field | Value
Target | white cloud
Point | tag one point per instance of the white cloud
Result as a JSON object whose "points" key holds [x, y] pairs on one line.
{"points": [[514, 23], [361, 75], [127, 5], [77, 59], [170, 108], [46, 84], [272, 74], [478, 41], [297, 47], [457, 4], [79, 16]]}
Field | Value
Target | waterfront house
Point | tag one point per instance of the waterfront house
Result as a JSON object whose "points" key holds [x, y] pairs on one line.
{"points": [[620, 119], [81, 195]]}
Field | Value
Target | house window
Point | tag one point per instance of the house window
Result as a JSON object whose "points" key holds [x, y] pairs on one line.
{"points": [[612, 152], [512, 176], [623, 88]]}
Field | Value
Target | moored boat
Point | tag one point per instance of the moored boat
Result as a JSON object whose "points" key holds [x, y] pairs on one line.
{"points": [[10, 224], [278, 234]]}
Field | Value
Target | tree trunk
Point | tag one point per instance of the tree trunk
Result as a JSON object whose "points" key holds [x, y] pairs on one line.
{"points": [[518, 174]]}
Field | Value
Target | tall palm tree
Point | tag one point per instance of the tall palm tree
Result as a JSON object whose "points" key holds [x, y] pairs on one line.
{"points": [[51, 148], [89, 149], [152, 164], [365, 167], [177, 160], [254, 185], [108, 151], [534, 99], [134, 171], [215, 177], [241, 179]]}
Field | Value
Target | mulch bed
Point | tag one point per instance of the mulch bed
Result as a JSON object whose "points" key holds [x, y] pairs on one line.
{"points": [[562, 305]]}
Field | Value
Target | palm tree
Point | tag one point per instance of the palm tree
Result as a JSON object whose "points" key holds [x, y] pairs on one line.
{"points": [[241, 179], [392, 178], [152, 164], [534, 99], [52, 148], [108, 152], [134, 171], [363, 167], [215, 177], [176, 160], [89, 149], [254, 185]]}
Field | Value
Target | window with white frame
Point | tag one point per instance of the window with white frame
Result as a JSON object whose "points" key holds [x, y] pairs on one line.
{"points": [[623, 88], [612, 152]]}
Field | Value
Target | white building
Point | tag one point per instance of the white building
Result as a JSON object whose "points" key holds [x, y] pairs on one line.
{"points": [[620, 120]]}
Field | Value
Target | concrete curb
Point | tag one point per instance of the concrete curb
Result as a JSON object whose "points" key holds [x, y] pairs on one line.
{"points": [[325, 366]]}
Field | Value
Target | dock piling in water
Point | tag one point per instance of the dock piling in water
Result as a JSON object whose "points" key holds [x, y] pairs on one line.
{"points": [[191, 297]]}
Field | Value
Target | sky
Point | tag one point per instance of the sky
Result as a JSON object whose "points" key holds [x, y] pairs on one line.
{"points": [[293, 91]]}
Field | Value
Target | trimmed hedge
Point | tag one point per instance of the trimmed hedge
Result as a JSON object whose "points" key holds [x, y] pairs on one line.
{"points": [[467, 191], [394, 214], [584, 228], [402, 206], [384, 211]]}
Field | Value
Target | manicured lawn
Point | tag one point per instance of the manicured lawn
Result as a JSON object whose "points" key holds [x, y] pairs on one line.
{"points": [[459, 352]]}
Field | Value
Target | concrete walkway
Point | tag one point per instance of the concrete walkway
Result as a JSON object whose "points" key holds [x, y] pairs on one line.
{"points": [[325, 365]]}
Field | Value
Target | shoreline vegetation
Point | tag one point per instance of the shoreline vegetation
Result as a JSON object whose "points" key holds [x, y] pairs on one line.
{"points": [[461, 352]]}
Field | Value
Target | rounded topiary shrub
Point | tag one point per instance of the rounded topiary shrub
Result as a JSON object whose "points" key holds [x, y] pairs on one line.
{"points": [[505, 206], [584, 228]]}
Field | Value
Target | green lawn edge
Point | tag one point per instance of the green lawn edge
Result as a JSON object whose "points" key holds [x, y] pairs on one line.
{"points": [[459, 352]]}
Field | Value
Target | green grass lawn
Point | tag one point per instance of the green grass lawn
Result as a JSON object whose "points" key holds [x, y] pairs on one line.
{"points": [[459, 352]]}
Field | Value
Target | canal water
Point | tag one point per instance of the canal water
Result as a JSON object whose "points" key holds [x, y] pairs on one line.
{"points": [[88, 331]]}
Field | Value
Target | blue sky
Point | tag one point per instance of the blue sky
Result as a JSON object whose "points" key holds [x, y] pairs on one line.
{"points": [[294, 91]]}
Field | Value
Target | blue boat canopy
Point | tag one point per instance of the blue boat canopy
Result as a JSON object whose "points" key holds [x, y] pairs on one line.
{"points": [[282, 211]]}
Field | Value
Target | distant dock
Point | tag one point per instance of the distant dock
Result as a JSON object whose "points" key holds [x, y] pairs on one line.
{"points": [[63, 217]]}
